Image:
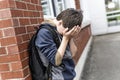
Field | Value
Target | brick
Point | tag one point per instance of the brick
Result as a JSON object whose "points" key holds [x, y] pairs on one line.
{"points": [[11, 3], [5, 13], [31, 7], [26, 13], [34, 1], [39, 7], [36, 14], [5, 23], [17, 13], [9, 32], [26, 71], [2, 50], [30, 28], [24, 55], [16, 65], [25, 63], [31, 14], [1, 34], [24, 21], [19, 39], [4, 67], [12, 49], [25, 37], [20, 30], [9, 58], [4, 4], [33, 21], [11, 75], [7, 4], [8, 41], [20, 5], [15, 22], [23, 46]]}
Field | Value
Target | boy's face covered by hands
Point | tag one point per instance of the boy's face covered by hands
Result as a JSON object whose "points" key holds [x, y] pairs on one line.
{"points": [[72, 32], [65, 31]]}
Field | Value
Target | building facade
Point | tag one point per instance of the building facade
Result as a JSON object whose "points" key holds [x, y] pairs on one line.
{"points": [[17, 21]]}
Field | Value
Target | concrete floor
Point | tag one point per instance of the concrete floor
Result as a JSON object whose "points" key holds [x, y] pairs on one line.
{"points": [[103, 62]]}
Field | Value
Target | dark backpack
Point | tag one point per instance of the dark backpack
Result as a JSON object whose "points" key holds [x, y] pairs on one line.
{"points": [[38, 70]]}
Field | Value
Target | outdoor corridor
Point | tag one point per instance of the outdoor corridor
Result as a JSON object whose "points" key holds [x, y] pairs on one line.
{"points": [[103, 62]]}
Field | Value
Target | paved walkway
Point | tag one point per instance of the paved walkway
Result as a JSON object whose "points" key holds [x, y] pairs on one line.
{"points": [[103, 61]]}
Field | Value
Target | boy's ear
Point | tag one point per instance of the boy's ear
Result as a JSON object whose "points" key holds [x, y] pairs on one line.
{"points": [[60, 22]]}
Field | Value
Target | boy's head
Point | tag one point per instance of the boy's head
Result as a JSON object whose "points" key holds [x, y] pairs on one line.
{"points": [[70, 18]]}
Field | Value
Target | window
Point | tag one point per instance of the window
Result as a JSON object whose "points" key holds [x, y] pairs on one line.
{"points": [[52, 7]]}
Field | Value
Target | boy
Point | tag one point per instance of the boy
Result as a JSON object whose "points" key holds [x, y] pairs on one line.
{"points": [[67, 24]]}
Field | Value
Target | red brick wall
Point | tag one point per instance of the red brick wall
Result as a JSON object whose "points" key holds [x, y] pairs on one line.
{"points": [[77, 4], [81, 40], [17, 21]]}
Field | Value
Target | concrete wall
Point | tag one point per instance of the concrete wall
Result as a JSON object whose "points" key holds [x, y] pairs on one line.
{"points": [[95, 12]]}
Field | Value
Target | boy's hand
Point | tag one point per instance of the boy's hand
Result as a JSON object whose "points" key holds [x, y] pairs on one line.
{"points": [[74, 31]]}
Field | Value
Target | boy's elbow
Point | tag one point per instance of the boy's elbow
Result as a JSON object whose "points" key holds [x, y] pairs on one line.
{"points": [[58, 63], [74, 52], [58, 59]]}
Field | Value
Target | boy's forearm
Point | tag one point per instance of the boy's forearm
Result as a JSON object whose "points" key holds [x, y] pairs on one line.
{"points": [[73, 47], [61, 51]]}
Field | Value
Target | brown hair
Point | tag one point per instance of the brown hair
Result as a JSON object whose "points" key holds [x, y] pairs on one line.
{"points": [[70, 17]]}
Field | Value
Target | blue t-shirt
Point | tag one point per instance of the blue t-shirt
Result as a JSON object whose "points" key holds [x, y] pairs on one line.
{"points": [[45, 43]]}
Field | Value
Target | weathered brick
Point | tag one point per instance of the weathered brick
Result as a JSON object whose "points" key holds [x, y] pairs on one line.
{"points": [[19, 39], [5, 23], [25, 62], [23, 46], [38, 7], [4, 67], [11, 3], [26, 71], [16, 65], [36, 14], [30, 29], [9, 32], [15, 22], [11, 75], [23, 55], [4, 4], [24, 21], [17, 13], [9, 58], [12, 49], [33, 21], [1, 34], [8, 41], [20, 5], [25, 37], [35, 1], [20, 30], [5, 13], [2, 50], [31, 7], [26, 13]]}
